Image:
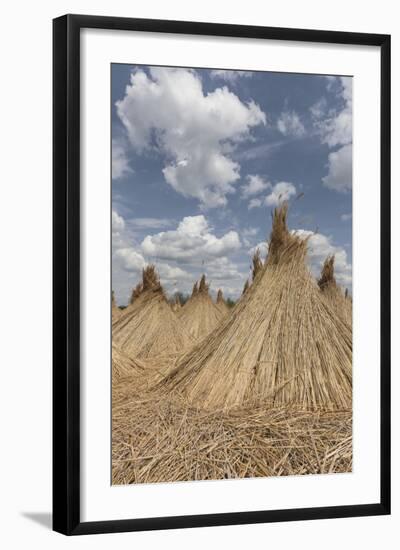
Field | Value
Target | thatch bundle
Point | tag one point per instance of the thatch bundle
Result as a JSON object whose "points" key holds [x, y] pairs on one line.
{"points": [[332, 292], [115, 311], [171, 442], [283, 344], [257, 263], [200, 315], [246, 287], [124, 366], [149, 328], [176, 305], [136, 292], [221, 304]]}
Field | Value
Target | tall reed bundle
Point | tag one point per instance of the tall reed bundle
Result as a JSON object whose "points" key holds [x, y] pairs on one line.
{"points": [[221, 304], [200, 315], [173, 442], [176, 306], [136, 292], [115, 311], [257, 263], [283, 343], [149, 328], [124, 366], [245, 287], [332, 292]]}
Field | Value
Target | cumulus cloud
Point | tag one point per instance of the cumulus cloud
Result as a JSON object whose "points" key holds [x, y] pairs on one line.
{"points": [[230, 76], [289, 124], [130, 259], [120, 164], [168, 110], [192, 240], [282, 191], [339, 175], [319, 247], [223, 269], [335, 125], [254, 203], [255, 185], [117, 223], [279, 192]]}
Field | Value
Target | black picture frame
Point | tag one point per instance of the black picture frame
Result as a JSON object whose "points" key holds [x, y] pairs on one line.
{"points": [[66, 273]]}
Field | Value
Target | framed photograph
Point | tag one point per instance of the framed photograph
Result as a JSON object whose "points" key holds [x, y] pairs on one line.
{"points": [[221, 274]]}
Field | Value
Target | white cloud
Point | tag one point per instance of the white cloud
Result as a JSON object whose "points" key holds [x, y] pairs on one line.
{"points": [[282, 191], [192, 241], [289, 124], [318, 109], [319, 247], [255, 184], [117, 223], [230, 76], [335, 126], [250, 231], [194, 132], [130, 259], [223, 269], [120, 164], [171, 273], [254, 203], [346, 217], [339, 175]]}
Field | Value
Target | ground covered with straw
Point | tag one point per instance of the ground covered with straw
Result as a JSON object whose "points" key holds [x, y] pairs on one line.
{"points": [[158, 438]]}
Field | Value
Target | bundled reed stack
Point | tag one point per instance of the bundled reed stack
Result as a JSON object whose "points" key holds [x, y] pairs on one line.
{"points": [[149, 328], [221, 304], [282, 345], [332, 291], [136, 292], [246, 287], [124, 366], [176, 306], [115, 311], [257, 264], [200, 315]]}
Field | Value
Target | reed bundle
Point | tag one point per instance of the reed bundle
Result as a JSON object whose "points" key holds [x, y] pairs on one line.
{"points": [[332, 292], [124, 367], [176, 305], [221, 304], [149, 328], [115, 311], [200, 315], [283, 343]]}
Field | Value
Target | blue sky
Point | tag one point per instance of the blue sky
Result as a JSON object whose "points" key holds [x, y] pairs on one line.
{"points": [[201, 157]]}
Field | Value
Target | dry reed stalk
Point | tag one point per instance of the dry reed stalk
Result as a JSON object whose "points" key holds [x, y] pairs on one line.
{"points": [[115, 311], [282, 342], [149, 328], [124, 367], [245, 287], [257, 263], [200, 315], [173, 442], [332, 292], [221, 304], [176, 306], [136, 292]]}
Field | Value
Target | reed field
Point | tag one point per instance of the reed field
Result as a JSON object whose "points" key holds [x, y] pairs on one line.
{"points": [[208, 390]]}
